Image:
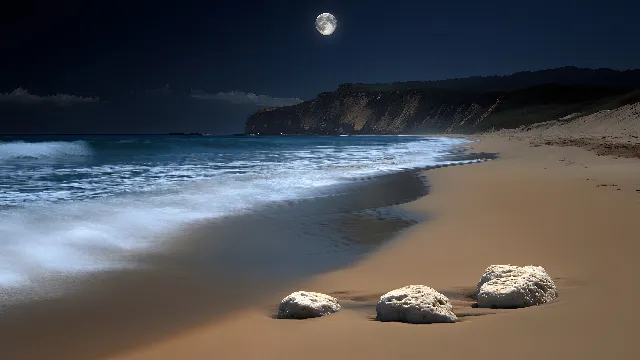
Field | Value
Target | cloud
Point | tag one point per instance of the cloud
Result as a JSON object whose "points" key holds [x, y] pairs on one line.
{"points": [[242, 98], [22, 96]]}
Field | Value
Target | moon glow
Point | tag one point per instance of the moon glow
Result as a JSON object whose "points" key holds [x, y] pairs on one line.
{"points": [[326, 24]]}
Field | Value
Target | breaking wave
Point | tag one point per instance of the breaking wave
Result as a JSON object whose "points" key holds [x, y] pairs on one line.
{"points": [[43, 150]]}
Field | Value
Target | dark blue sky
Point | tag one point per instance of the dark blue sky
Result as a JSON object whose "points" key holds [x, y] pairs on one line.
{"points": [[124, 53]]}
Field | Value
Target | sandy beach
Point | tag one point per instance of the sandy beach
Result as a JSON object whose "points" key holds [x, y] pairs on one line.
{"points": [[564, 208], [551, 199]]}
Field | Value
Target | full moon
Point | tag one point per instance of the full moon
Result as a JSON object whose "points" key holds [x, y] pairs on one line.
{"points": [[326, 24]]}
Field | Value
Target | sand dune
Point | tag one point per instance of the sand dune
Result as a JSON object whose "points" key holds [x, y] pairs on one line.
{"points": [[609, 132]]}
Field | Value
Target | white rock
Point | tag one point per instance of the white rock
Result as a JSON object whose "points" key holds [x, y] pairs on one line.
{"points": [[305, 304], [509, 286], [416, 304], [495, 272]]}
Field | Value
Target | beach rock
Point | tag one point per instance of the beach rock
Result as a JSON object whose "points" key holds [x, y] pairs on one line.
{"points": [[509, 286], [305, 304], [416, 304], [495, 272]]}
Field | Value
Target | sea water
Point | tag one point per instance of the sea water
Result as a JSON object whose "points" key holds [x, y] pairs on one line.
{"points": [[74, 205]]}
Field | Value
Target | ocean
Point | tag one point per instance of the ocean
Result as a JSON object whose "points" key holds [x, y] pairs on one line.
{"points": [[78, 205]]}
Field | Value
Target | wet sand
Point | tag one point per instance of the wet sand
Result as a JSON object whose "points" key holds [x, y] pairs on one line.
{"points": [[564, 208]]}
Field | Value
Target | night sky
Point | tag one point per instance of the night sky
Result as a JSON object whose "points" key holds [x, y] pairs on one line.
{"points": [[188, 66]]}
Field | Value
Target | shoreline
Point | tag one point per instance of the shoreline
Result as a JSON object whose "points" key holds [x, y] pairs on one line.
{"points": [[534, 205], [178, 288], [542, 205]]}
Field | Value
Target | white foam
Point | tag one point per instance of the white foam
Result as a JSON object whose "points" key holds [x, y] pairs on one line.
{"points": [[86, 236], [39, 150]]}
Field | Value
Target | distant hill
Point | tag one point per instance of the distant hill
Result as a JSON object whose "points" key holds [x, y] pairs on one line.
{"points": [[568, 75], [468, 105]]}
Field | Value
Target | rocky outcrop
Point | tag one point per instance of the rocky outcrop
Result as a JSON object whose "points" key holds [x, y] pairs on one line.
{"points": [[461, 106], [349, 112], [416, 304], [509, 286], [305, 304]]}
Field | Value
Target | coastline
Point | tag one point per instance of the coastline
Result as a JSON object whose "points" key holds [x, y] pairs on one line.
{"points": [[247, 257], [539, 205]]}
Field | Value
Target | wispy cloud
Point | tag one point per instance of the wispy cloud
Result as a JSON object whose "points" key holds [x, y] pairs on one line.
{"points": [[242, 98], [22, 96]]}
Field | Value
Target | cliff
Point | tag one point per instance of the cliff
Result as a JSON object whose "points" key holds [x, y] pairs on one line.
{"points": [[451, 106]]}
